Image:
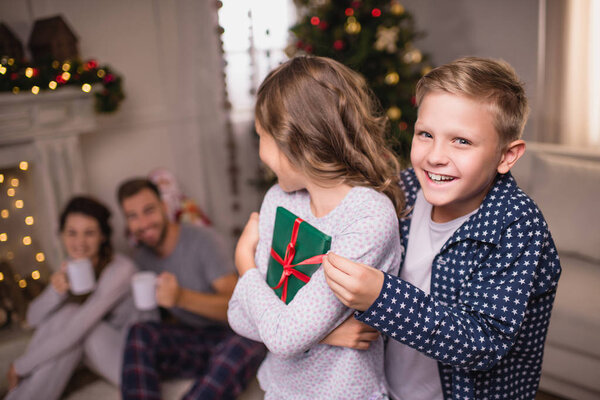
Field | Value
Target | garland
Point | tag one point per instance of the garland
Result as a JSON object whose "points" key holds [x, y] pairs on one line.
{"points": [[32, 78]]}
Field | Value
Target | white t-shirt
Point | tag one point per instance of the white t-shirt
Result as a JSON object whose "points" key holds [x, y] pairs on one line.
{"points": [[410, 374]]}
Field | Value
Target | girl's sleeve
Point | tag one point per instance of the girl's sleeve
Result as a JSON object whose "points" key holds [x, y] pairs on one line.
{"points": [[289, 330], [44, 305], [112, 286]]}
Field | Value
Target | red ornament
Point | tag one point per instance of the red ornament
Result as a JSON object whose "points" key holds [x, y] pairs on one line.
{"points": [[403, 126], [308, 48], [349, 12], [109, 78], [338, 44], [376, 12], [14, 76], [299, 44], [36, 72], [92, 64], [323, 25], [413, 100], [315, 20], [60, 79]]}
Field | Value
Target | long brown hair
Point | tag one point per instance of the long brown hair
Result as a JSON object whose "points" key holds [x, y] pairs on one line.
{"points": [[328, 123]]}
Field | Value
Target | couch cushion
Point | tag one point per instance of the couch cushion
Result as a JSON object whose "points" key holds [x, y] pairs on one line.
{"points": [[575, 320], [567, 191]]}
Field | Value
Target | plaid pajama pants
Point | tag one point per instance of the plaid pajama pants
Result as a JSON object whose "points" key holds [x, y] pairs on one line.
{"points": [[221, 362]]}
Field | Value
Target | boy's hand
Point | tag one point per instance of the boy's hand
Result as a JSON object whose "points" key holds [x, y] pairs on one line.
{"points": [[167, 290], [352, 334], [356, 285], [246, 246]]}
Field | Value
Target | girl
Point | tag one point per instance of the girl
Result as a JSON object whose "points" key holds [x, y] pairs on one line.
{"points": [[71, 328], [321, 134]]}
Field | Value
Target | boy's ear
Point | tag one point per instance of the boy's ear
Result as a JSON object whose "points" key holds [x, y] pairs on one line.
{"points": [[511, 153]]}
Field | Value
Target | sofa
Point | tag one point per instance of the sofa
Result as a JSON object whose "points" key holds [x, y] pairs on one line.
{"points": [[565, 183]]}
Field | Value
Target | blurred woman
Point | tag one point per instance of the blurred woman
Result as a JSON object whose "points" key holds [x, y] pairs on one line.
{"points": [[72, 328]]}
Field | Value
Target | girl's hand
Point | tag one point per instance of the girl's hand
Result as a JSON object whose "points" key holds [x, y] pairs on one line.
{"points": [[352, 334], [246, 246], [59, 280], [356, 285], [12, 377]]}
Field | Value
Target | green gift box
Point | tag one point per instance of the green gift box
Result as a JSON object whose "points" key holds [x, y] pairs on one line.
{"points": [[297, 251]]}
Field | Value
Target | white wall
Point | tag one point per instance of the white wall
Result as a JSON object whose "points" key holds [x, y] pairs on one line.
{"points": [[167, 51], [505, 29]]}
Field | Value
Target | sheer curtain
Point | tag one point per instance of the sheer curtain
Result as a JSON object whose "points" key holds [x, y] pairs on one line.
{"points": [[570, 112]]}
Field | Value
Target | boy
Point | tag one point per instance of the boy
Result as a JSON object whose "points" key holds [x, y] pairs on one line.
{"points": [[470, 308]]}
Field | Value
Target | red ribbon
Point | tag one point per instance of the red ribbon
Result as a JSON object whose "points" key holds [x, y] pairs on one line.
{"points": [[286, 262]]}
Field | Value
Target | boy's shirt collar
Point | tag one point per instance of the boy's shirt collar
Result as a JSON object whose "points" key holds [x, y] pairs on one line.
{"points": [[484, 225]]}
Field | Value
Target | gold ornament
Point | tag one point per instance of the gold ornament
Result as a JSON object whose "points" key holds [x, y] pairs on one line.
{"points": [[352, 26], [412, 56], [387, 38], [392, 78], [394, 113], [397, 8]]}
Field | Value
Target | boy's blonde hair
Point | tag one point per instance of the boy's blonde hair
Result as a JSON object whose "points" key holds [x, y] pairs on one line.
{"points": [[487, 80], [328, 123]]}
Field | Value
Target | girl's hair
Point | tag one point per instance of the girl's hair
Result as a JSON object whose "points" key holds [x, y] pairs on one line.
{"points": [[328, 123], [94, 209], [490, 81]]}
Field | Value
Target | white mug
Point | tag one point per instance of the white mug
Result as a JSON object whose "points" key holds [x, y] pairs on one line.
{"points": [[143, 285], [81, 276]]}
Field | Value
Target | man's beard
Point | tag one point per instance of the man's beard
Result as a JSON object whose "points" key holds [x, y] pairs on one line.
{"points": [[161, 238]]}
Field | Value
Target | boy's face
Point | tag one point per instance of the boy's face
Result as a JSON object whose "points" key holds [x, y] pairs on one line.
{"points": [[455, 153]]}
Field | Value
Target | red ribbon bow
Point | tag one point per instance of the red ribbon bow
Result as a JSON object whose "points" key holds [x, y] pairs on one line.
{"points": [[286, 262]]}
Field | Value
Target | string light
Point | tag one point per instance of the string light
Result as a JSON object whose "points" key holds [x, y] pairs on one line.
{"points": [[19, 204], [29, 72], [14, 182], [35, 275], [35, 89], [2, 69], [4, 213], [23, 165], [10, 192], [3, 237], [40, 257], [52, 85], [66, 67], [1, 178], [101, 73], [22, 283], [1, 276], [16, 90], [86, 87], [66, 76], [29, 220], [26, 240]]}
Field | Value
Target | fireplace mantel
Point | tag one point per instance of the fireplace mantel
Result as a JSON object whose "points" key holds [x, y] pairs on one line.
{"points": [[26, 117]]}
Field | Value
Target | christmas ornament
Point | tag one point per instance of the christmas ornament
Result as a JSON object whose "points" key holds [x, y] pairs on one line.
{"points": [[387, 38]]}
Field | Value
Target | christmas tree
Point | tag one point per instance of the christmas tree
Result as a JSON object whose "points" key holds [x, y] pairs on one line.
{"points": [[375, 38]]}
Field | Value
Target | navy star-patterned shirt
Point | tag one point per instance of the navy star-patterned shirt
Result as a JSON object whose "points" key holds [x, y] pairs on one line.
{"points": [[492, 288]]}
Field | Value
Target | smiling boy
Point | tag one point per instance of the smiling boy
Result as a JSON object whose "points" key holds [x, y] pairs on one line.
{"points": [[470, 308]]}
